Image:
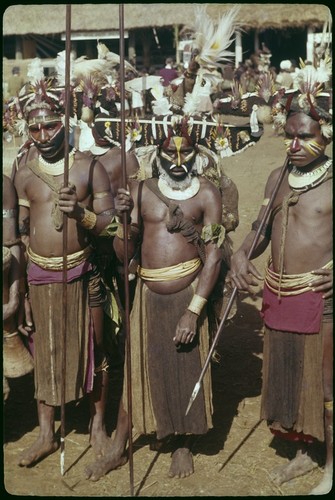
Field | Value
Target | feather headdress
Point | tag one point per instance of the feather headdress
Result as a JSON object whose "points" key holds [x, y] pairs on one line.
{"points": [[212, 41], [310, 98], [111, 58]]}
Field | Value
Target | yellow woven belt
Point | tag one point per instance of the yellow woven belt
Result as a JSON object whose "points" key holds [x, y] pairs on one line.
{"points": [[170, 273], [291, 284], [56, 263]]}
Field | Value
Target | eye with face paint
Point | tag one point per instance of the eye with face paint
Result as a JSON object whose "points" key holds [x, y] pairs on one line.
{"points": [[295, 144], [178, 157], [47, 132], [303, 140]]}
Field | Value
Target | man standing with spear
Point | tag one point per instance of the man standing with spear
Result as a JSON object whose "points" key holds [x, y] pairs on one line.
{"points": [[297, 309], [88, 205]]}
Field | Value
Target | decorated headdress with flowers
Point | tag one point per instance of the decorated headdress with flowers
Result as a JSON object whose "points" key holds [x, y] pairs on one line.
{"points": [[39, 92], [311, 98]]}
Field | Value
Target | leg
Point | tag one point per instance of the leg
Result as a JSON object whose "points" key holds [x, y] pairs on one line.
{"points": [[115, 455], [98, 435], [326, 482], [46, 442], [182, 461]]}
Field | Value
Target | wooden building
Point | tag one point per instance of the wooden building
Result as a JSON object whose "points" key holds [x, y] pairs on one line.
{"points": [[154, 31]]}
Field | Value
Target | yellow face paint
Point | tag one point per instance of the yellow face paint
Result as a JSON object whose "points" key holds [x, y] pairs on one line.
{"points": [[178, 142], [313, 147]]}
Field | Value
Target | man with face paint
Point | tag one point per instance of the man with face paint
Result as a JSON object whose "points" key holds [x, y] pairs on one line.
{"points": [[169, 329], [88, 203], [297, 392]]}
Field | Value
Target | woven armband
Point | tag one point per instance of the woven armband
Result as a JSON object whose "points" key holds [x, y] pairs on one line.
{"points": [[24, 203], [196, 305], [89, 219]]}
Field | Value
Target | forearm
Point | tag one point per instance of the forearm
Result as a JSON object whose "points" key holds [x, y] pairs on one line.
{"points": [[11, 307], [248, 242]]}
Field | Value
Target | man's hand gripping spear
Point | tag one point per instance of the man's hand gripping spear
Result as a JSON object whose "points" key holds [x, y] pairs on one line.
{"points": [[234, 292]]}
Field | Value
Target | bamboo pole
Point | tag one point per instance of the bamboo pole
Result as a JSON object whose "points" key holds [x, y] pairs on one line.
{"points": [[125, 259], [65, 233]]}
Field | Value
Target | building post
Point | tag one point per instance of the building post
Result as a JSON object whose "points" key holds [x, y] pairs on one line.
{"points": [[238, 48], [176, 42], [310, 45]]}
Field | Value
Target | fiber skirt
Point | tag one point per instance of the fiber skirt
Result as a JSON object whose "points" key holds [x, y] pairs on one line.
{"points": [[163, 378]]}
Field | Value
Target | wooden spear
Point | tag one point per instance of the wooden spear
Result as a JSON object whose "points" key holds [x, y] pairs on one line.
{"points": [[65, 233], [234, 292], [125, 255]]}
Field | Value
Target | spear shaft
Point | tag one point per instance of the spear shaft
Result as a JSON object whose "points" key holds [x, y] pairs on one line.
{"points": [[125, 256], [65, 234], [234, 292]]}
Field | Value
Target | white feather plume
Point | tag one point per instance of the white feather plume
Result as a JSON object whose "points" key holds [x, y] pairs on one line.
{"points": [[35, 72], [142, 83], [192, 103], [161, 107], [310, 78], [212, 41], [60, 67], [114, 59]]}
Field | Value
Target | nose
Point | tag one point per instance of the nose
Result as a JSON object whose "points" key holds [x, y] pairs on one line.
{"points": [[295, 145]]}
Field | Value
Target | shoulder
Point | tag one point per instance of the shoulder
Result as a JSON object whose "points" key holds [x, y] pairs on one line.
{"points": [[274, 176], [84, 157], [208, 187]]}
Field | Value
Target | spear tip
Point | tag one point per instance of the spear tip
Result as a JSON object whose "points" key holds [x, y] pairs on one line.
{"points": [[192, 398]]}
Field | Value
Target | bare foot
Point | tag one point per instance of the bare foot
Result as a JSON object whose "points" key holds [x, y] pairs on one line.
{"points": [[182, 463], [325, 484], [103, 465], [299, 466], [41, 448], [100, 443]]}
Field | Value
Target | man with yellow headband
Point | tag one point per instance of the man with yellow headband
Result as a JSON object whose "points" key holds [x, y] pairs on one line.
{"points": [[88, 203], [297, 392], [176, 219]]}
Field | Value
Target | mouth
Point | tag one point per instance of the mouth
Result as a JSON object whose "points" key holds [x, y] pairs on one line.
{"points": [[178, 169], [294, 158]]}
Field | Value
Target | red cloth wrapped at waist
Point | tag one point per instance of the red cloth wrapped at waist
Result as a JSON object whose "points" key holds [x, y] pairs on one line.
{"points": [[38, 276], [293, 313], [43, 270]]}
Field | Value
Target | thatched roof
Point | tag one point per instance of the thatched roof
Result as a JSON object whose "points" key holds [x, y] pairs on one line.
{"points": [[50, 18]]}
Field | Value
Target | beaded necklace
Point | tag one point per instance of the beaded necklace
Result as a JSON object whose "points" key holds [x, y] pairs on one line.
{"points": [[56, 168], [300, 180]]}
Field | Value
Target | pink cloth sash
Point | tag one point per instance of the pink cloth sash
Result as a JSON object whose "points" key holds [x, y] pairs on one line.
{"points": [[39, 276], [294, 313]]}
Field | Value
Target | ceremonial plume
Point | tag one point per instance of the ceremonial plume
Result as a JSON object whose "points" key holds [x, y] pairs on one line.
{"points": [[311, 97], [212, 41]]}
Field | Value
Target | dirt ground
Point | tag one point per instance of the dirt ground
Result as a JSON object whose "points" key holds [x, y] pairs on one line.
{"points": [[233, 459]]}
